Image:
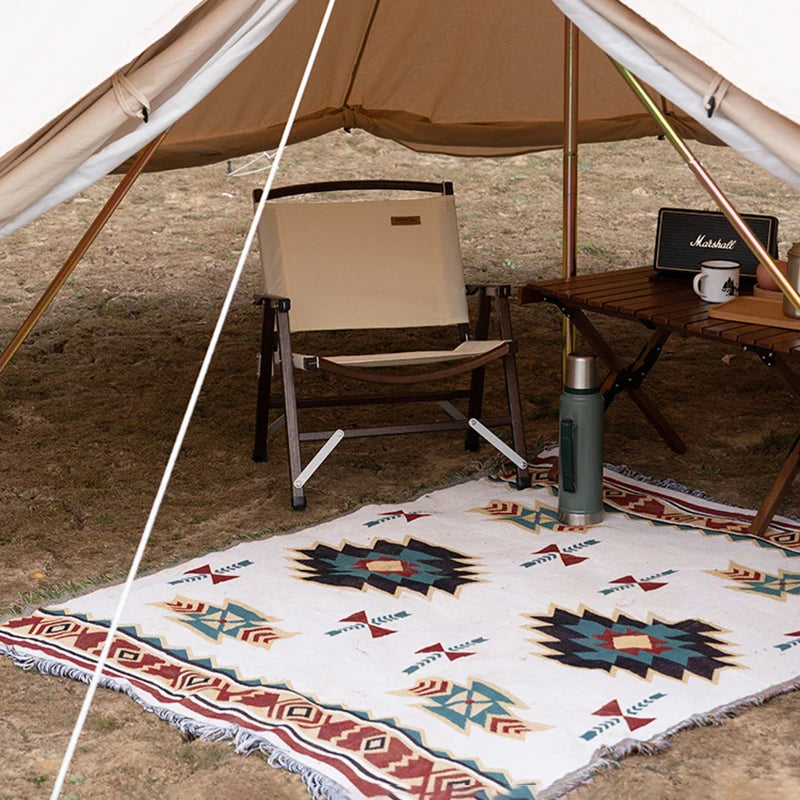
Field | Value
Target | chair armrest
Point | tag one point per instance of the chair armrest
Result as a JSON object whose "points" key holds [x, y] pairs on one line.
{"points": [[491, 289], [529, 293], [276, 301]]}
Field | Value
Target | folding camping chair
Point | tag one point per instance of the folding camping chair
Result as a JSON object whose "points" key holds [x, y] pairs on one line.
{"points": [[370, 264]]}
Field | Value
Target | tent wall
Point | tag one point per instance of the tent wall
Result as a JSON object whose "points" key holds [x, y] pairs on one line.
{"points": [[452, 76], [37, 88], [736, 43], [107, 126], [462, 77]]}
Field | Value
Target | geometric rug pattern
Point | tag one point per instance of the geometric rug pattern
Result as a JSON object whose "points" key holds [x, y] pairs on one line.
{"points": [[463, 645], [642, 647]]}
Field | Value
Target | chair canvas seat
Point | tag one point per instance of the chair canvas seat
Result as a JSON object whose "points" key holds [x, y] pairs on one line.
{"points": [[376, 264], [468, 349]]}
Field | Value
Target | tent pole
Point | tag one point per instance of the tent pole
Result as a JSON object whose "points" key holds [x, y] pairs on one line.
{"points": [[570, 170], [80, 249], [708, 183]]}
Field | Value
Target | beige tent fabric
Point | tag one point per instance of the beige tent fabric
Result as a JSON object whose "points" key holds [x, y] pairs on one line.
{"points": [[365, 264], [462, 77], [776, 132], [106, 113], [452, 76], [726, 35], [36, 87]]}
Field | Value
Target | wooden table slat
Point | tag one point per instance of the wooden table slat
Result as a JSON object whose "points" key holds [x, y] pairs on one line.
{"points": [[587, 293], [591, 278], [618, 295], [740, 331], [671, 303], [724, 330], [784, 343], [622, 289], [583, 284], [638, 305], [705, 326], [678, 315]]}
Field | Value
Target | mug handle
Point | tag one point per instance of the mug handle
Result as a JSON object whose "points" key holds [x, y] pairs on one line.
{"points": [[698, 279]]}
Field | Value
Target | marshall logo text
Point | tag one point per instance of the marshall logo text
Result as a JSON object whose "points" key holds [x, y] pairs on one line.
{"points": [[703, 241], [685, 237]]}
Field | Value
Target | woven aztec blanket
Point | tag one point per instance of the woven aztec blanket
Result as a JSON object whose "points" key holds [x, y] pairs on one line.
{"points": [[463, 645]]}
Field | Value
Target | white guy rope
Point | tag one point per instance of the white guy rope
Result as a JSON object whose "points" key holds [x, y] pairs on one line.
{"points": [[87, 702]]}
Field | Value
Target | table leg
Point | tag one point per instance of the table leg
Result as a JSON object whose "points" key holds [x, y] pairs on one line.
{"points": [[791, 465], [787, 375], [785, 477], [609, 357]]}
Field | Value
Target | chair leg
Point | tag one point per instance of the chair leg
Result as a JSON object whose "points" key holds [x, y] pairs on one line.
{"points": [[290, 409], [512, 392], [472, 440], [515, 412], [264, 382]]}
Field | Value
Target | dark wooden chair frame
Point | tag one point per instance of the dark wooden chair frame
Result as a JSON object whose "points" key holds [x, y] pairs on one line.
{"points": [[276, 337]]}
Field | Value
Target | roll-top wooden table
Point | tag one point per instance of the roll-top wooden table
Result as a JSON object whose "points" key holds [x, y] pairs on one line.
{"points": [[666, 306]]}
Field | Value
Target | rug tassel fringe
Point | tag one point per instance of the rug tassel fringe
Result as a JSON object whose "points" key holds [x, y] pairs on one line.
{"points": [[607, 758], [668, 483], [319, 786]]}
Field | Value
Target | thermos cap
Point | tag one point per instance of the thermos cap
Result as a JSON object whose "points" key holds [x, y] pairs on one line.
{"points": [[581, 371]]}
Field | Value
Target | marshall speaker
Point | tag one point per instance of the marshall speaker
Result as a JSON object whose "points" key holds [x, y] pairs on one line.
{"points": [[685, 238]]}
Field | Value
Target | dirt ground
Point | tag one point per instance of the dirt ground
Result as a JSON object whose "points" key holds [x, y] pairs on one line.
{"points": [[90, 406]]}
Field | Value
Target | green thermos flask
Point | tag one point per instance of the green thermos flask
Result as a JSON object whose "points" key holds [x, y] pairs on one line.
{"points": [[580, 443]]}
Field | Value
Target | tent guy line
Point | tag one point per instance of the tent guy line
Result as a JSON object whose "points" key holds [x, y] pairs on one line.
{"points": [[178, 443]]}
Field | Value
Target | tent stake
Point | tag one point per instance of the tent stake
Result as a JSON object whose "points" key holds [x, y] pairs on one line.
{"points": [[708, 183], [570, 172], [80, 250]]}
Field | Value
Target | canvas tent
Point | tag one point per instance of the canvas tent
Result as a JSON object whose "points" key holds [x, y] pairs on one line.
{"points": [[101, 80], [451, 76]]}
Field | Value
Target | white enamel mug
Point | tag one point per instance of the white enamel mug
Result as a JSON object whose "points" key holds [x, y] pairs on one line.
{"points": [[717, 281]]}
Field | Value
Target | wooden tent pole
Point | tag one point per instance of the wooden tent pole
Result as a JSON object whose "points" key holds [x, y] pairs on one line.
{"points": [[708, 183], [80, 250], [570, 170]]}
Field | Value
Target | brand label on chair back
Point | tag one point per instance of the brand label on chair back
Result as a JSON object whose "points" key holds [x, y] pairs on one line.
{"points": [[406, 220]]}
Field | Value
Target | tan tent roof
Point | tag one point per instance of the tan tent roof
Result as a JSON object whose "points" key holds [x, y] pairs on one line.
{"points": [[452, 76], [463, 77]]}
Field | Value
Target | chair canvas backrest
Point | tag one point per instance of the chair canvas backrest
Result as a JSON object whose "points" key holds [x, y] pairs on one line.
{"points": [[365, 264]]}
